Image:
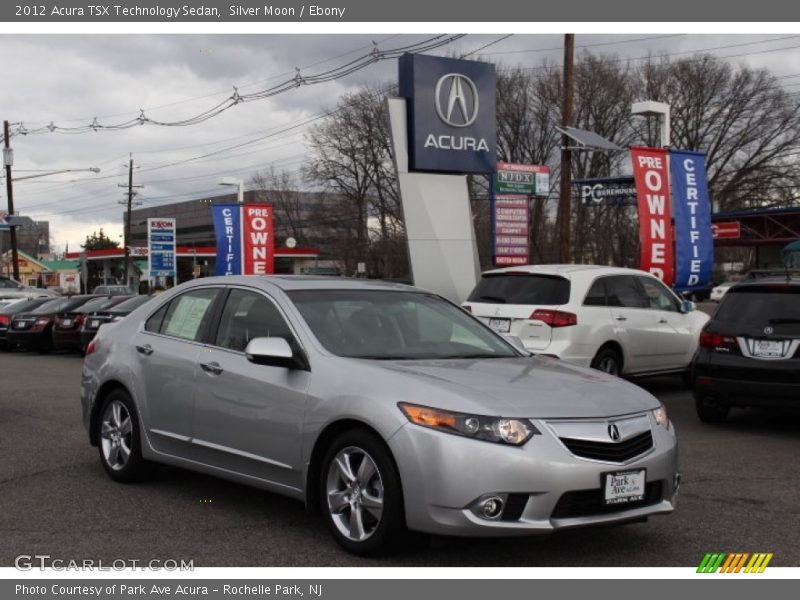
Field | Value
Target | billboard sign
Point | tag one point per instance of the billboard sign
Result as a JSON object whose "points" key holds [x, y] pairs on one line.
{"points": [[245, 241], [694, 243], [161, 247], [655, 217], [451, 114], [531, 180], [511, 225], [606, 191]]}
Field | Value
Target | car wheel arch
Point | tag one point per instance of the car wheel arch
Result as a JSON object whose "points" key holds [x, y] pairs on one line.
{"points": [[321, 444], [102, 393]]}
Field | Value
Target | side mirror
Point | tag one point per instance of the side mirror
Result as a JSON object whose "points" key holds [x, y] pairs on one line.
{"points": [[275, 352], [688, 306]]}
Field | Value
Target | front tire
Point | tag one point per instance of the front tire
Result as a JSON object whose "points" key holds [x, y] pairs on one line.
{"points": [[609, 361], [120, 440], [361, 495]]}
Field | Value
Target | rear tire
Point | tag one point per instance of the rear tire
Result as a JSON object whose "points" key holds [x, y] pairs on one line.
{"points": [[609, 361], [361, 496], [120, 440], [711, 413]]}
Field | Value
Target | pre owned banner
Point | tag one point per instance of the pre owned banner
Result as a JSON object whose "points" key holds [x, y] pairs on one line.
{"points": [[694, 245], [245, 242], [655, 223]]}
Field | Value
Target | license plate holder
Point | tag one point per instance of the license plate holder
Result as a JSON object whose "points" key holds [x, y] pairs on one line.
{"points": [[21, 325], [94, 324], [67, 322], [500, 325], [767, 348], [624, 487]]}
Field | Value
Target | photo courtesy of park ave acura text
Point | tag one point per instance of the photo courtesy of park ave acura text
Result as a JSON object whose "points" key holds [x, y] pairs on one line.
{"points": [[385, 299]]}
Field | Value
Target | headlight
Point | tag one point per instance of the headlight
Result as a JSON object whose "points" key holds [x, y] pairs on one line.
{"points": [[660, 415], [489, 429]]}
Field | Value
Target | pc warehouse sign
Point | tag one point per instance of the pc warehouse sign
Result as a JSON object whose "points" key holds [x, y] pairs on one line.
{"points": [[451, 114], [245, 240], [161, 247]]}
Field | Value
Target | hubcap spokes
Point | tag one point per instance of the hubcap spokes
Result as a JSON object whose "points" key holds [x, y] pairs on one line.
{"points": [[355, 494], [116, 432]]}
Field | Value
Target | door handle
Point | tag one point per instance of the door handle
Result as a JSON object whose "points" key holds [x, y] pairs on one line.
{"points": [[621, 318], [212, 367], [147, 349]]}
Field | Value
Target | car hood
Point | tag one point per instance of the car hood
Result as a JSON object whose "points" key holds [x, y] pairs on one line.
{"points": [[535, 387]]}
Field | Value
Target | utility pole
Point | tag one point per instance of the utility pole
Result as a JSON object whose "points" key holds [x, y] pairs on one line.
{"points": [[8, 160], [565, 197], [129, 203]]}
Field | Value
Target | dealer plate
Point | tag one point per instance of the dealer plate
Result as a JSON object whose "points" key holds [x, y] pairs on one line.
{"points": [[624, 486], [768, 348], [67, 322], [500, 325], [20, 325]]}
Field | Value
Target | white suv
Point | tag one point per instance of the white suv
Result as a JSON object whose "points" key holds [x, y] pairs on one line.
{"points": [[622, 321]]}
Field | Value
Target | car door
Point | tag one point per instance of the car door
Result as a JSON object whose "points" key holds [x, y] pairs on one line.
{"points": [[249, 417], [677, 335], [166, 355], [634, 325]]}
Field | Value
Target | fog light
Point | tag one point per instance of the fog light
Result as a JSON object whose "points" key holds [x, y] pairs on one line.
{"points": [[676, 483], [492, 507]]}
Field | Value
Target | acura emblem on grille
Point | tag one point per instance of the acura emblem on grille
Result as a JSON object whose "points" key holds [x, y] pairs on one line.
{"points": [[768, 330], [613, 432]]}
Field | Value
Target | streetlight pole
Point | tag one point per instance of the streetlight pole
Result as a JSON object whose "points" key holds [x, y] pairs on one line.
{"points": [[565, 195], [238, 183], [8, 160]]}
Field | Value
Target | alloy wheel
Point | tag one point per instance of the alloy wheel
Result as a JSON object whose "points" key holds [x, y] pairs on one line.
{"points": [[355, 493], [116, 435]]}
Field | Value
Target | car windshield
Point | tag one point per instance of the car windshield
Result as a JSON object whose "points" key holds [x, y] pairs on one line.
{"points": [[761, 305], [97, 304], [18, 307], [130, 304], [521, 288], [394, 325], [58, 305]]}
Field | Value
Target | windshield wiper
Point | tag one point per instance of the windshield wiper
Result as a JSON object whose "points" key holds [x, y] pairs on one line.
{"points": [[783, 321]]}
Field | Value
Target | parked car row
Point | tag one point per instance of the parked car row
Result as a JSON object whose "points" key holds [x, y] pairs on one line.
{"points": [[62, 323]]}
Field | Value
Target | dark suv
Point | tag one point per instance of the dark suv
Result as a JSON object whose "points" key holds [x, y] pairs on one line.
{"points": [[749, 352]]}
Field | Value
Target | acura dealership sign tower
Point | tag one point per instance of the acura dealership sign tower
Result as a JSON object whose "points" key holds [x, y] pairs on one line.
{"points": [[443, 127]]}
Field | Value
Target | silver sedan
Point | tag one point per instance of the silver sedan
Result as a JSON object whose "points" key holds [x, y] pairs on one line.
{"points": [[385, 407]]}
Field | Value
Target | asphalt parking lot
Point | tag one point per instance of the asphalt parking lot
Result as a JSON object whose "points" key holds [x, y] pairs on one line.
{"points": [[739, 493]]}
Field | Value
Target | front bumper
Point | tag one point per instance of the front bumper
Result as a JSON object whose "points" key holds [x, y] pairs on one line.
{"points": [[444, 475]]}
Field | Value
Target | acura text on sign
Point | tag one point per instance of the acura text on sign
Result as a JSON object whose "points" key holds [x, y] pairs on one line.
{"points": [[655, 218]]}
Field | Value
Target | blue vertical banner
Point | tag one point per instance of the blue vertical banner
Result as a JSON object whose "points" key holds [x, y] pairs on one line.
{"points": [[228, 230], [694, 243]]}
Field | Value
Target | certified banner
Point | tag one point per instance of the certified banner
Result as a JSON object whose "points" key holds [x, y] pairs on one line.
{"points": [[245, 241], [655, 223], [694, 244], [227, 227]]}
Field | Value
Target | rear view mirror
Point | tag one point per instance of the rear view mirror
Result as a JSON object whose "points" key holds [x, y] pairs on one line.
{"points": [[274, 352], [688, 306]]}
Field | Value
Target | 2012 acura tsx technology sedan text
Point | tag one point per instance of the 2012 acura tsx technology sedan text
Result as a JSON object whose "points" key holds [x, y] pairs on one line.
{"points": [[387, 408]]}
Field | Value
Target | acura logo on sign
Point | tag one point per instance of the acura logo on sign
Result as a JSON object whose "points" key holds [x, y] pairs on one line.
{"points": [[613, 432], [456, 98]]}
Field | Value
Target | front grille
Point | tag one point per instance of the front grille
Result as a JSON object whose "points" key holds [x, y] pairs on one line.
{"points": [[610, 451], [587, 503], [515, 504]]}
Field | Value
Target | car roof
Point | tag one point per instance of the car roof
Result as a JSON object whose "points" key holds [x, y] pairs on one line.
{"points": [[304, 282], [568, 269], [772, 280]]}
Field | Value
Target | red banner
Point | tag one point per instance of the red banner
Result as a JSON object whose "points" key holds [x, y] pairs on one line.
{"points": [[651, 173], [258, 243]]}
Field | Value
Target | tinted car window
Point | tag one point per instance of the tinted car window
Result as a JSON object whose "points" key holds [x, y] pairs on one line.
{"points": [[658, 296], [130, 305], [521, 288], [187, 314], [776, 305], [625, 291], [249, 315], [20, 307], [7, 283], [153, 324], [60, 305], [97, 304], [596, 296]]}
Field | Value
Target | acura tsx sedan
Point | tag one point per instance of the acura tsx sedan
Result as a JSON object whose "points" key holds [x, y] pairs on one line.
{"points": [[385, 407]]}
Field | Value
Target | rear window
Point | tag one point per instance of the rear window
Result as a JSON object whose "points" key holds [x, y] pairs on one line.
{"points": [[130, 305], [521, 288], [777, 304]]}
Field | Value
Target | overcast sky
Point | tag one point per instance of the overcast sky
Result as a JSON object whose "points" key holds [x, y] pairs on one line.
{"points": [[71, 79]]}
